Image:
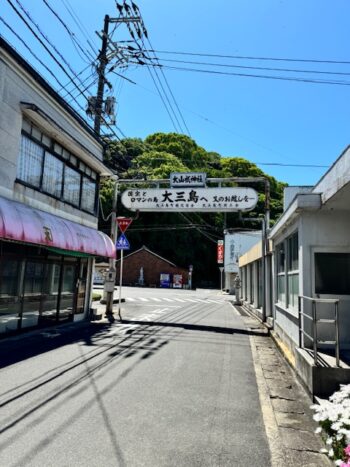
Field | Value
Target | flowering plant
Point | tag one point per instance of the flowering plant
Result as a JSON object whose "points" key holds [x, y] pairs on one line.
{"points": [[333, 416]]}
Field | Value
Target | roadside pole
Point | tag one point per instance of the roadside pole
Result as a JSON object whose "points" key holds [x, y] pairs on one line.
{"points": [[111, 274], [221, 271], [122, 244], [120, 283]]}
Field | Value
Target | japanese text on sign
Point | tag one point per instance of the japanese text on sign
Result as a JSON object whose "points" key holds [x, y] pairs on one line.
{"points": [[191, 179], [190, 199], [220, 252]]}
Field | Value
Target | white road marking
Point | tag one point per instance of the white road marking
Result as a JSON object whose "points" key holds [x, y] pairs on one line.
{"points": [[156, 299], [143, 299], [179, 300], [168, 299], [129, 299]]}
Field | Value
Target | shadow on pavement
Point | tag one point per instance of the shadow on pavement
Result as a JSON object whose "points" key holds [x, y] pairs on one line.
{"points": [[19, 348]]}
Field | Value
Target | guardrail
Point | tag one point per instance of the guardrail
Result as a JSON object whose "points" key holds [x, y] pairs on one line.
{"points": [[315, 322]]}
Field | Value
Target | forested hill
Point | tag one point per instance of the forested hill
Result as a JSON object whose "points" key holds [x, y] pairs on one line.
{"points": [[182, 238]]}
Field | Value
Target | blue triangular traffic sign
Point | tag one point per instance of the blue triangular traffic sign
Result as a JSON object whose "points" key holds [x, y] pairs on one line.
{"points": [[122, 243]]}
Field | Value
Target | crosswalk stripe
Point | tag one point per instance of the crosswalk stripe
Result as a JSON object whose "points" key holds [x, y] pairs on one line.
{"points": [[143, 299], [214, 301], [191, 300], [168, 299], [179, 300], [129, 299], [156, 299]]}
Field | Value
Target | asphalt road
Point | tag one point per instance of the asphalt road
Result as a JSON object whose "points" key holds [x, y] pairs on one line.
{"points": [[173, 385]]}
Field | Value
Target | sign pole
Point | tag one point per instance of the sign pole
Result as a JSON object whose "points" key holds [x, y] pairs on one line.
{"points": [[120, 284]]}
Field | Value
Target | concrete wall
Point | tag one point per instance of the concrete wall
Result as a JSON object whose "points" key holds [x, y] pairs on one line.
{"points": [[17, 85]]}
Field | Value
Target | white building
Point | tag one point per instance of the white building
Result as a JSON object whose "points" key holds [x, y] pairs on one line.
{"points": [[50, 166], [310, 245], [236, 244]]}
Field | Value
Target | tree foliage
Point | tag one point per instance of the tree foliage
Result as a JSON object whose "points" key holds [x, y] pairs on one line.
{"points": [[183, 238]]}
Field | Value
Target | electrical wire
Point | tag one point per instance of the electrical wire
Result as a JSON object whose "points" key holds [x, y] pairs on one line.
{"points": [[72, 36], [245, 57], [27, 14], [228, 65], [283, 78], [49, 52], [79, 24]]}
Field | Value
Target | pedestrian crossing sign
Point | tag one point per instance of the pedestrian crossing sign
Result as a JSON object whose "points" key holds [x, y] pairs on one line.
{"points": [[122, 243]]}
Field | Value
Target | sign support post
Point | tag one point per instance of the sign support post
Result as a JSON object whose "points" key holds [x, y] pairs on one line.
{"points": [[122, 244], [120, 284]]}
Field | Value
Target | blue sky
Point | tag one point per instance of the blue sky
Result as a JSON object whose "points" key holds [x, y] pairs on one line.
{"points": [[262, 120]]}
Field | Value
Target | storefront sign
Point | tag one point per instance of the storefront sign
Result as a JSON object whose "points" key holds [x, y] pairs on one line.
{"points": [[188, 179], [220, 252], [177, 281], [164, 280], [190, 199]]}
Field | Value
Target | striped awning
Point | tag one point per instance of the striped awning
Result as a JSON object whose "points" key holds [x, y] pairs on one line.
{"points": [[23, 223]]}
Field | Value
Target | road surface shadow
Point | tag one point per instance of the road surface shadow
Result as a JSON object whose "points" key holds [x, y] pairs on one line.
{"points": [[199, 327]]}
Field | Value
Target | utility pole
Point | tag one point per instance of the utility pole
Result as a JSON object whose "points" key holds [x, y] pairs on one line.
{"points": [[98, 107], [101, 77]]}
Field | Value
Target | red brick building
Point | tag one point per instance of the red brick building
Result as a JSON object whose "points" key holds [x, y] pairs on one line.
{"points": [[144, 267]]}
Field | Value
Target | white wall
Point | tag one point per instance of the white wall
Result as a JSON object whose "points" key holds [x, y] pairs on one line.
{"points": [[16, 85]]}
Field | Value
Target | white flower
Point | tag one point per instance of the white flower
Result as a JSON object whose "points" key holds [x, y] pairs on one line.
{"points": [[331, 453], [318, 430]]}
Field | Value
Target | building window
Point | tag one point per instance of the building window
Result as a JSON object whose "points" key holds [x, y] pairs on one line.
{"points": [[288, 271], [72, 186], [46, 166], [332, 272], [293, 271], [30, 162], [281, 276], [52, 175]]}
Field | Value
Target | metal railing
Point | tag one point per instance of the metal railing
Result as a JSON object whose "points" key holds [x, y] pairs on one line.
{"points": [[315, 321]]}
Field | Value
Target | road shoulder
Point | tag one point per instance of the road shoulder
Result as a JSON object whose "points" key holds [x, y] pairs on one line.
{"points": [[285, 406]]}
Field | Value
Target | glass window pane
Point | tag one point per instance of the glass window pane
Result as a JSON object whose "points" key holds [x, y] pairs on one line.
{"points": [[26, 125], [8, 277], [53, 172], [58, 149], [47, 141], [293, 253], [36, 133], [293, 290], [65, 154], [71, 191], [281, 289], [88, 195], [332, 271], [280, 257], [30, 162]]}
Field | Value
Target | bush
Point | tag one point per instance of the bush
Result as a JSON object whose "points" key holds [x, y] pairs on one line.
{"points": [[333, 416], [96, 296]]}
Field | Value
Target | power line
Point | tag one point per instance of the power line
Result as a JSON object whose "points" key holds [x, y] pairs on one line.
{"points": [[283, 78], [79, 24], [48, 50], [47, 39], [70, 33], [227, 65], [245, 57]]}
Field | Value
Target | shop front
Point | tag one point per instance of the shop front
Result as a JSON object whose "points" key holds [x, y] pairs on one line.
{"points": [[47, 281]]}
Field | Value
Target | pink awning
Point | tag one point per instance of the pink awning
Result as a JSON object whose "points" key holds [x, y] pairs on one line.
{"points": [[25, 224]]}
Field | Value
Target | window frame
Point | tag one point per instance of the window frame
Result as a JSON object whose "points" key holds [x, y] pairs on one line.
{"points": [[66, 163], [287, 272]]}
